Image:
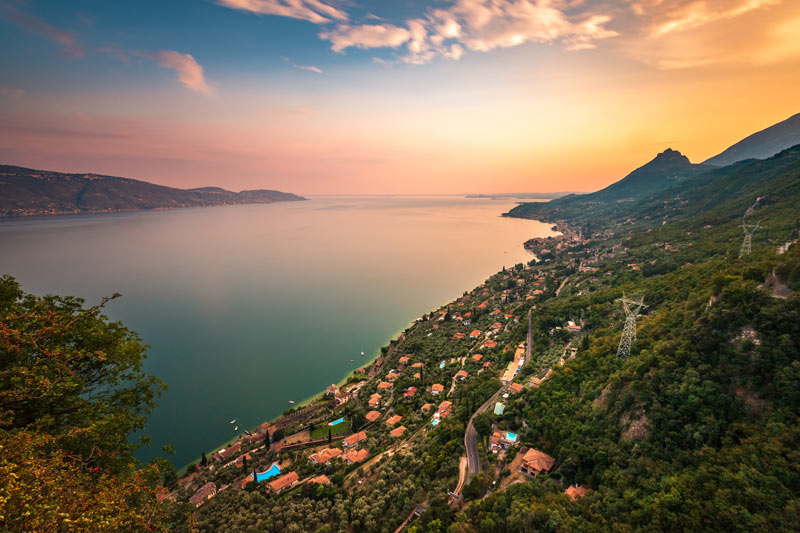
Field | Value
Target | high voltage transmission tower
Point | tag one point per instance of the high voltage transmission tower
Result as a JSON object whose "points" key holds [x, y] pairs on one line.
{"points": [[632, 308], [749, 229]]}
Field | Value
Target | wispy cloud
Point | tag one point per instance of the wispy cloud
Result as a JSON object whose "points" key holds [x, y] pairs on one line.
{"points": [[310, 68], [668, 16], [314, 11], [190, 72], [69, 45]]}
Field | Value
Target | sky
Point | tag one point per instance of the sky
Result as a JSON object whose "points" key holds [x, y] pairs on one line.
{"points": [[388, 97]]}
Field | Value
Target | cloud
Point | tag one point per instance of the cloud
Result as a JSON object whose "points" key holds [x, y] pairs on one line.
{"points": [[310, 68], [668, 16], [314, 11], [11, 92], [686, 34], [366, 36], [478, 25], [190, 72], [34, 24]]}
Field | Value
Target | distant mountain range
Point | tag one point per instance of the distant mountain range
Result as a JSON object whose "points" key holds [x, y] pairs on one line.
{"points": [[25, 191], [666, 171]]}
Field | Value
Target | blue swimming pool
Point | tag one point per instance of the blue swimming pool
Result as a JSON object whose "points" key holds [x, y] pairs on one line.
{"points": [[441, 365], [336, 422], [435, 421], [273, 470], [511, 437]]}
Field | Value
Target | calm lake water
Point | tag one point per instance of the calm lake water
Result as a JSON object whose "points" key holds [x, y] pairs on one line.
{"points": [[248, 307]]}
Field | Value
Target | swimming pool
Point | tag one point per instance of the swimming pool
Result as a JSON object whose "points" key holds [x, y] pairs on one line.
{"points": [[511, 437], [435, 421], [336, 422], [441, 365], [273, 470]]}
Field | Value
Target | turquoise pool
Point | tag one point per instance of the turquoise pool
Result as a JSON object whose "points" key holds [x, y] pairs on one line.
{"points": [[273, 470], [511, 437], [336, 422], [441, 365]]}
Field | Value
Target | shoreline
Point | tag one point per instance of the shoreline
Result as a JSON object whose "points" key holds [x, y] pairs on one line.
{"points": [[368, 362]]}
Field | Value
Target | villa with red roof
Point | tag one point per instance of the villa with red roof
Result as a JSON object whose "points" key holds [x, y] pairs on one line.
{"points": [[398, 431], [475, 333], [390, 377], [375, 400], [355, 456], [372, 416], [515, 388], [418, 365], [325, 456], [204, 493], [477, 357], [384, 385], [354, 439], [535, 462], [461, 374], [410, 393], [576, 491], [284, 482], [436, 388], [393, 420]]}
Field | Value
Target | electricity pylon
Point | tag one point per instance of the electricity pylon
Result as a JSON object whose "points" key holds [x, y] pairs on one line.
{"points": [[632, 308], [749, 229]]}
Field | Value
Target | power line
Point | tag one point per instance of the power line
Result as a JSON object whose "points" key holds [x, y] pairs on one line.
{"points": [[749, 229]]}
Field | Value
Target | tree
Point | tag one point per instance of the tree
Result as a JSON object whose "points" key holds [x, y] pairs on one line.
{"points": [[483, 424], [72, 391], [203, 460], [330, 436]]}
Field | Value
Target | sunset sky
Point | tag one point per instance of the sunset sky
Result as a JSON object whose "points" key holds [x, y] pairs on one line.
{"points": [[402, 96]]}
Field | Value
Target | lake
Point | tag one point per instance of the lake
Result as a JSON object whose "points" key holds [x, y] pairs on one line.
{"points": [[248, 307]]}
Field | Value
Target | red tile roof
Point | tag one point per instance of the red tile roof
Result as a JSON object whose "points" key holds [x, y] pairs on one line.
{"points": [[398, 431], [475, 333], [394, 420], [372, 416], [577, 491], [284, 482], [355, 438], [356, 456]]}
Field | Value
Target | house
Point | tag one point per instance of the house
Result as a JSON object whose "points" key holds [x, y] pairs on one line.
{"points": [[534, 381], [436, 389], [355, 456], [240, 461], [417, 376], [398, 431], [475, 333], [372, 416], [375, 400], [418, 365], [535, 462], [577, 491], [477, 357], [403, 360], [425, 408], [487, 364], [445, 408], [284, 482], [394, 420], [324, 456], [390, 377], [502, 440], [204, 493], [322, 479], [462, 375], [497, 326], [410, 393], [354, 439], [515, 388], [489, 344], [332, 390], [496, 312], [499, 408], [458, 336], [226, 453], [384, 385]]}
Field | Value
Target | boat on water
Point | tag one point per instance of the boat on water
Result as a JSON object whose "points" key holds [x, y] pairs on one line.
{"points": [[232, 421], [351, 360], [235, 428], [291, 401]]}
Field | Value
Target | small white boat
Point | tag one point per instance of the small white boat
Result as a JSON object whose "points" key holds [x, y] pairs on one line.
{"points": [[232, 421], [291, 401], [362, 353], [352, 360], [235, 428]]}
